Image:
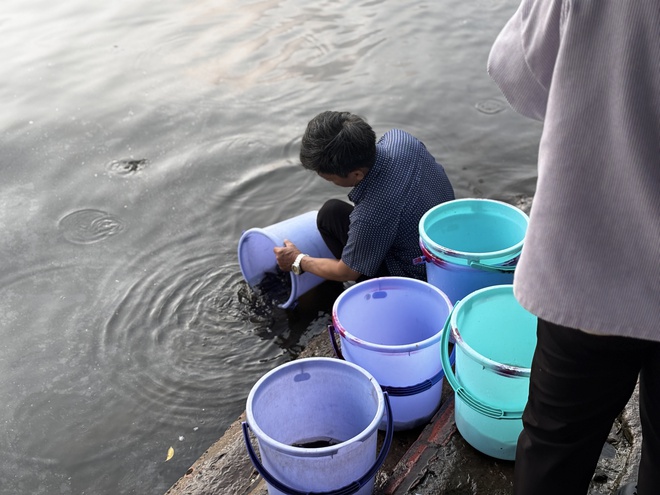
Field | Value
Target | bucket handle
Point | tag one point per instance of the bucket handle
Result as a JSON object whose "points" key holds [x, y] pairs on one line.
{"points": [[506, 268], [349, 489], [465, 395], [399, 391], [428, 257], [331, 332]]}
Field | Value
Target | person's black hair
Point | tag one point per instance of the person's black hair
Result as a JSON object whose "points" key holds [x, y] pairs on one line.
{"points": [[337, 143]]}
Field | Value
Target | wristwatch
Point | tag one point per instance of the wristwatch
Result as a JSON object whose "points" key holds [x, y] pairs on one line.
{"points": [[296, 268]]}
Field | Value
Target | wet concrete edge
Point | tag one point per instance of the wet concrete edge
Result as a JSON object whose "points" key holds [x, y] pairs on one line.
{"points": [[431, 460]]}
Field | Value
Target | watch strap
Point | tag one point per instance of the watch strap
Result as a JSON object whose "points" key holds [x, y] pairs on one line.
{"points": [[297, 264]]}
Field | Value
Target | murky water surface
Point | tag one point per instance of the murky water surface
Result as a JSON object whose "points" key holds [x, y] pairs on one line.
{"points": [[139, 140]]}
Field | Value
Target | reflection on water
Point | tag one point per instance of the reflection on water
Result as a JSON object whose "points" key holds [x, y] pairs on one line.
{"points": [[140, 139]]}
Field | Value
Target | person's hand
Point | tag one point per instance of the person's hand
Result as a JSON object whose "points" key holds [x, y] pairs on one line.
{"points": [[286, 255]]}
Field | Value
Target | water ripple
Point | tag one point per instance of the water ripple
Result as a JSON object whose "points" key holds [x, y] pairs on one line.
{"points": [[490, 106], [89, 226], [490, 4], [180, 331], [126, 166], [260, 195]]}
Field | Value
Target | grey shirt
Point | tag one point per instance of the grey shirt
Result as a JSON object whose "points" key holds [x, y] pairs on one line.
{"points": [[590, 69]]}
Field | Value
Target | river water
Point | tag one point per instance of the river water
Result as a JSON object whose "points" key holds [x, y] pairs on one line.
{"points": [[139, 140]]}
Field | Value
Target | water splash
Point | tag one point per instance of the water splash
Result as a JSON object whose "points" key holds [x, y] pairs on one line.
{"points": [[126, 167]]}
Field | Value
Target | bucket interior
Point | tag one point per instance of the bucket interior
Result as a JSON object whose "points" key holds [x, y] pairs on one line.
{"points": [[474, 228], [391, 311], [256, 256], [314, 400]]}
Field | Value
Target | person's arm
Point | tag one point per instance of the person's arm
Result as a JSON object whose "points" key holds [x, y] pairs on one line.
{"points": [[522, 58], [327, 268]]}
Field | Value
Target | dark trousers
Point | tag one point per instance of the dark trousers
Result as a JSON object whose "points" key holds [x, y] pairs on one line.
{"points": [[579, 383], [333, 222]]}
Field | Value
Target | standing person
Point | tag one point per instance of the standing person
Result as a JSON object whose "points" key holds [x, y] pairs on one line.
{"points": [[394, 182], [590, 267]]}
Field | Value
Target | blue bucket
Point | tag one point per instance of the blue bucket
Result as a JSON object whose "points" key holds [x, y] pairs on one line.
{"points": [[257, 258], [391, 327], [495, 339], [316, 421], [469, 244]]}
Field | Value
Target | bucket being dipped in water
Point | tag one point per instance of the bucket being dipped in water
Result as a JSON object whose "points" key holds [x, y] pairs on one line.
{"points": [[257, 259], [469, 244], [316, 422], [495, 339], [391, 326]]}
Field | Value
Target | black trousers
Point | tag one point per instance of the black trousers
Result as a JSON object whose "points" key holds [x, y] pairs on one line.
{"points": [[579, 383], [333, 222]]}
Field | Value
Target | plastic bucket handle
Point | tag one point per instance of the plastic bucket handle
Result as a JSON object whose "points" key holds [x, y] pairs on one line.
{"points": [[465, 395], [428, 257], [399, 391], [346, 490], [459, 206]]}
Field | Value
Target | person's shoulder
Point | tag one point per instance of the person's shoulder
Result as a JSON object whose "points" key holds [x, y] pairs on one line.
{"points": [[398, 136], [398, 133]]}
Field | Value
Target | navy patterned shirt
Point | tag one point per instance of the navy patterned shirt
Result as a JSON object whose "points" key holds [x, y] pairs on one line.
{"points": [[404, 183]]}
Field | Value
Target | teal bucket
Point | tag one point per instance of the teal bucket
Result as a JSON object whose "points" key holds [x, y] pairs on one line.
{"points": [[495, 339], [469, 244]]}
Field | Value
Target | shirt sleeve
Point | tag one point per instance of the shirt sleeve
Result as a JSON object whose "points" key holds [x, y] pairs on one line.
{"points": [[522, 58]]}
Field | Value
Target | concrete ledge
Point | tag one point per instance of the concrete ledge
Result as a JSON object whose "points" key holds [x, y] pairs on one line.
{"points": [[431, 460], [223, 469]]}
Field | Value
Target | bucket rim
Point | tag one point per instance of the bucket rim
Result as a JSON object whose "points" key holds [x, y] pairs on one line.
{"points": [[500, 256], [318, 451], [276, 242], [387, 348], [502, 369]]}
